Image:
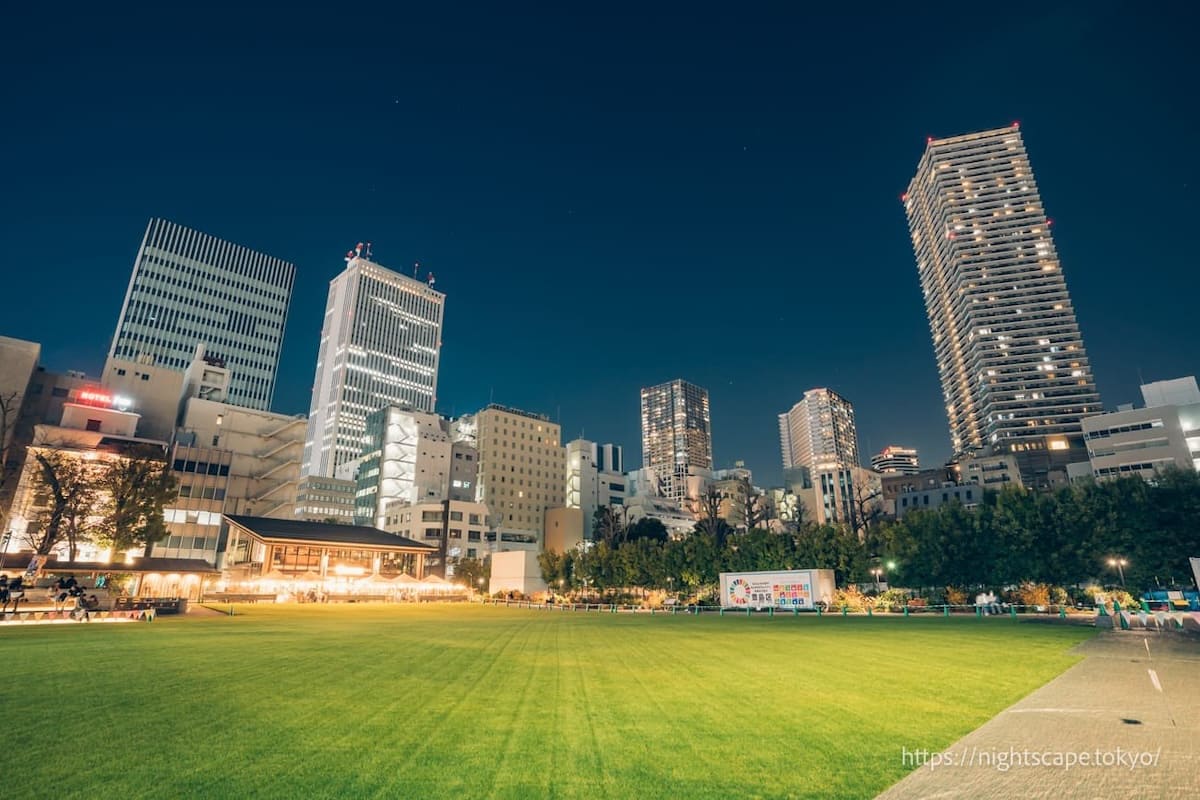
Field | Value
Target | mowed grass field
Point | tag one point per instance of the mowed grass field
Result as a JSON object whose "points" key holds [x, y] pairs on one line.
{"points": [[486, 702]]}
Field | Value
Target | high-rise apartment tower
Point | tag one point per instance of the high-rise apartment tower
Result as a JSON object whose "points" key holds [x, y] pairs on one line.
{"points": [[1015, 375], [819, 430], [676, 435]]}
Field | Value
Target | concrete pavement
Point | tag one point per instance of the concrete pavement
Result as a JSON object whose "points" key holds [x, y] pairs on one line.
{"points": [[1122, 723]]}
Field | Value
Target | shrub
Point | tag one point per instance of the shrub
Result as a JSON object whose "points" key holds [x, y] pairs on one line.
{"points": [[891, 600], [1032, 594], [956, 596], [850, 598], [1059, 596]]}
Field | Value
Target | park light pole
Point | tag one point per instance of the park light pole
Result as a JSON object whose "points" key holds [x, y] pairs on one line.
{"points": [[876, 572], [1119, 563], [479, 582]]}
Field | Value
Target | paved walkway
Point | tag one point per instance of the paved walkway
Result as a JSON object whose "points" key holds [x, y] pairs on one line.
{"points": [[1136, 691]]}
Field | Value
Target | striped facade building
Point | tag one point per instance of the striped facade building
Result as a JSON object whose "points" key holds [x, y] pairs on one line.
{"points": [[380, 346], [1014, 372], [189, 288]]}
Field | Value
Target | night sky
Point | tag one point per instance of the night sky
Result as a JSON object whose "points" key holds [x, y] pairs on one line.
{"points": [[610, 198]]}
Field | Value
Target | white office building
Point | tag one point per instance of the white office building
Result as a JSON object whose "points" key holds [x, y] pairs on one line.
{"points": [[189, 289], [594, 477], [380, 344]]}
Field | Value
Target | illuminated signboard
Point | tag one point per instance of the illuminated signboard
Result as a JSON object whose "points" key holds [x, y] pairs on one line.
{"points": [[101, 398]]}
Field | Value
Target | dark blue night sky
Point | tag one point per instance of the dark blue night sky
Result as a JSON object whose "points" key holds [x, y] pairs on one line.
{"points": [[610, 197]]}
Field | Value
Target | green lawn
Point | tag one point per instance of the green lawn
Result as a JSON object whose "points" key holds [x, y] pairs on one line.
{"points": [[455, 701]]}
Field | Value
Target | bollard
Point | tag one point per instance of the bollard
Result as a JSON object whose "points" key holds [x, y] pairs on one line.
{"points": [[652, 612], [722, 612], [1012, 611], [978, 610], [906, 609], [231, 610], [674, 610], [870, 611], [844, 611], [795, 611], [946, 610], [771, 611], [1062, 612], [748, 612], [820, 612]]}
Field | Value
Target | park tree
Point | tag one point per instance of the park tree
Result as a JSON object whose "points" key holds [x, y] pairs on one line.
{"points": [[473, 573], [135, 489], [64, 485], [608, 526], [647, 528], [555, 567]]}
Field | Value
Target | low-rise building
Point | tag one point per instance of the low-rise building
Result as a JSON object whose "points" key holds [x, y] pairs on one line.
{"points": [[298, 549], [1145, 441], [566, 529], [926, 498], [895, 459], [93, 433], [229, 459], [516, 571], [454, 529], [321, 499]]}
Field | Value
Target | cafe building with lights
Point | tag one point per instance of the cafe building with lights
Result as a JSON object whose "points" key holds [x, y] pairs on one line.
{"points": [[260, 546]]}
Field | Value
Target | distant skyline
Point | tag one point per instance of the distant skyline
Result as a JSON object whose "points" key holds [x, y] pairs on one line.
{"points": [[609, 200]]}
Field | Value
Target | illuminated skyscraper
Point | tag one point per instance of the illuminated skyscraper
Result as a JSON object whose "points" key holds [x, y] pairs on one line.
{"points": [[380, 345], [189, 288], [819, 430], [676, 435], [819, 441], [1014, 372]]}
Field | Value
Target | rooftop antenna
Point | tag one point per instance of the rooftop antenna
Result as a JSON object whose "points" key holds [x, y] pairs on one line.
{"points": [[416, 266], [368, 249]]}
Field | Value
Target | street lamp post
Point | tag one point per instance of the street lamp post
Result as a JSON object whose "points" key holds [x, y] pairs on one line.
{"points": [[876, 572], [1119, 563]]}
